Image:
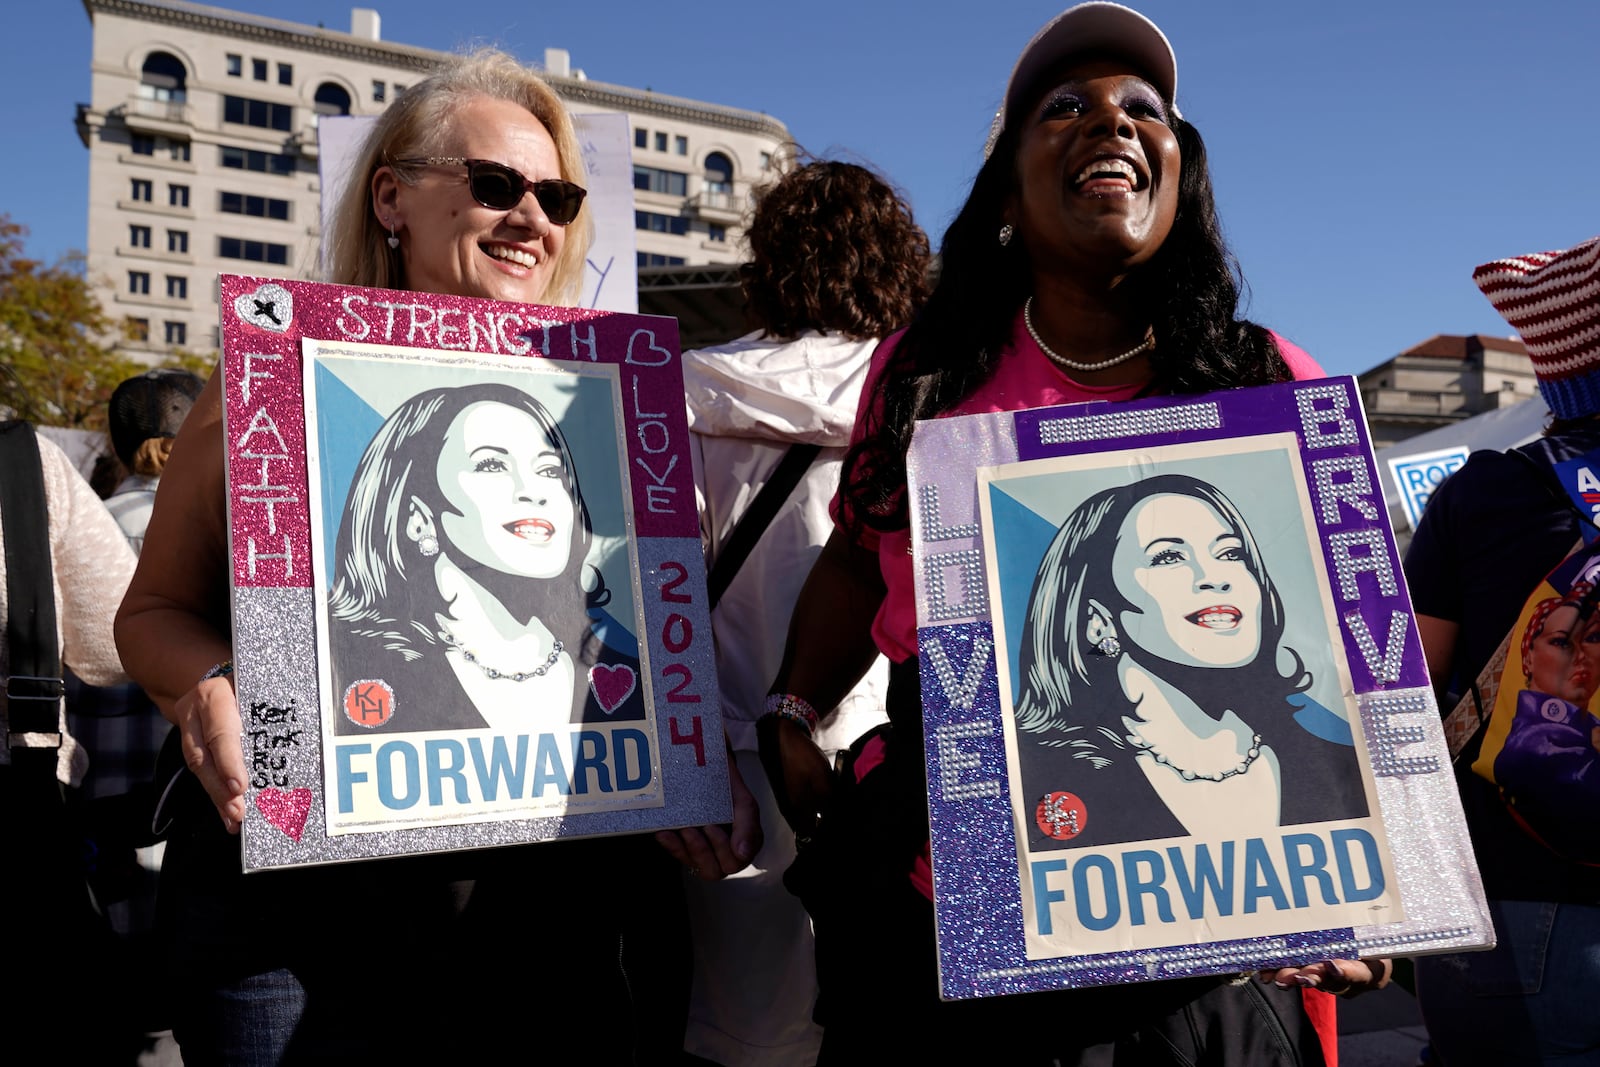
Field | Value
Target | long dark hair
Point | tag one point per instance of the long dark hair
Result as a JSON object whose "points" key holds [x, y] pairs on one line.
{"points": [[383, 589], [1191, 287], [1063, 681]]}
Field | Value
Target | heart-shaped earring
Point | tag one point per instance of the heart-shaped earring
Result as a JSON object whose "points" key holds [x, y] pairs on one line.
{"points": [[393, 239]]}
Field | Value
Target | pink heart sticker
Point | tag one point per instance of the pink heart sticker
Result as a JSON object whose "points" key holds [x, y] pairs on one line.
{"points": [[285, 809], [612, 685]]}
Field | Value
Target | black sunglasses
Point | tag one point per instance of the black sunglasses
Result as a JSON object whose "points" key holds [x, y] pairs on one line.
{"points": [[497, 186]]}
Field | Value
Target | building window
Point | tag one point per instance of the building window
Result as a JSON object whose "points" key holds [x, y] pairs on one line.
{"points": [[180, 151], [285, 74], [398, 88], [177, 287], [261, 207], [652, 180], [142, 189], [651, 259], [163, 77], [177, 240], [661, 141], [766, 161], [261, 113], [641, 137], [139, 236], [719, 173], [254, 251], [258, 69], [658, 223], [715, 232], [142, 144], [178, 196], [331, 99], [235, 65], [378, 92], [261, 162], [680, 144], [138, 329], [177, 333], [139, 282]]}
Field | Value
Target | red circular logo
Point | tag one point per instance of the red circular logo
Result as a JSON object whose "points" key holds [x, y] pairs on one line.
{"points": [[1061, 815], [369, 703]]}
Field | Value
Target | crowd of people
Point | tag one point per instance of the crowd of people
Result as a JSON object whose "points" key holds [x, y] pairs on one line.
{"points": [[1086, 264]]}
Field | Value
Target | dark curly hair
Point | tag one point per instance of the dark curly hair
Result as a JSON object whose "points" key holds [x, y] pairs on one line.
{"points": [[1191, 287], [833, 248]]}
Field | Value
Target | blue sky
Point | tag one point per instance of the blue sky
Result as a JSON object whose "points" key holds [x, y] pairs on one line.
{"points": [[1367, 154]]}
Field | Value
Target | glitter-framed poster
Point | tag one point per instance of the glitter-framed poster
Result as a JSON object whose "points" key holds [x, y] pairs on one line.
{"points": [[1177, 714], [468, 597]]}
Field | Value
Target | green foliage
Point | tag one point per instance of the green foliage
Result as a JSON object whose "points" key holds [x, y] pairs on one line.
{"points": [[56, 367]]}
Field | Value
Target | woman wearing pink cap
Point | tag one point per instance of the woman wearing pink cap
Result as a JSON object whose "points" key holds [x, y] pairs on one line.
{"points": [[1087, 264]]}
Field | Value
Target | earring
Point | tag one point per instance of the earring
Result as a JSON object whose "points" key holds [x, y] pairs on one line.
{"points": [[428, 545], [1109, 646], [1006, 233], [393, 238]]}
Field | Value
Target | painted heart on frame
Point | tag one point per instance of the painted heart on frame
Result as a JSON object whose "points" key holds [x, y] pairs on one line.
{"points": [[612, 685], [270, 307], [285, 808]]}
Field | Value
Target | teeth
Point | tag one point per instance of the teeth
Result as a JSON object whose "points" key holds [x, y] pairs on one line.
{"points": [[1108, 166], [512, 255]]}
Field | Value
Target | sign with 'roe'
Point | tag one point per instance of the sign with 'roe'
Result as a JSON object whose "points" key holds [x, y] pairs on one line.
{"points": [[1177, 716], [469, 603]]}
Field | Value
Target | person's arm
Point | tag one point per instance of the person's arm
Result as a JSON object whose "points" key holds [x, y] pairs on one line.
{"points": [[1438, 648], [828, 651], [92, 563], [174, 623]]}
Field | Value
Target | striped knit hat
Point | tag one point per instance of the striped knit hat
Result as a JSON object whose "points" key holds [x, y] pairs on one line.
{"points": [[1553, 299]]}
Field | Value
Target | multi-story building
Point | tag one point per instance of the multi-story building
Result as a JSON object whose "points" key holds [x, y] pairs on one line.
{"points": [[202, 138], [1444, 379]]}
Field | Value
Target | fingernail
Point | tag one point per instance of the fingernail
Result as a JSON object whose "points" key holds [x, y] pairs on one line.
{"points": [[1283, 985], [1305, 980], [743, 850]]}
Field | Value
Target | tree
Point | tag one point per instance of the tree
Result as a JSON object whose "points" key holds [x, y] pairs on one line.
{"points": [[56, 367]]}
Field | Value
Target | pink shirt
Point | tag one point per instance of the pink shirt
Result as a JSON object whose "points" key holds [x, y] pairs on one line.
{"points": [[1025, 378]]}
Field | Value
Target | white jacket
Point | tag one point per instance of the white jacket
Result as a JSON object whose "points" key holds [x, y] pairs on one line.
{"points": [[749, 400]]}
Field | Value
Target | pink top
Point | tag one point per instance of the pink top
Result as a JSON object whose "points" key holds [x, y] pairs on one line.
{"points": [[1025, 378]]}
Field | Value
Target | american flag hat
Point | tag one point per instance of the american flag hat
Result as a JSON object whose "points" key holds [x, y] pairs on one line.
{"points": [[1553, 300]]}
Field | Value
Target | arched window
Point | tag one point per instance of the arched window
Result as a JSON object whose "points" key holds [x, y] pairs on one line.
{"points": [[331, 99], [719, 173], [163, 77]]}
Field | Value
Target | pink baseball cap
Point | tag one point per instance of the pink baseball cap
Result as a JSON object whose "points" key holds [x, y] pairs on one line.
{"points": [[1097, 26]]}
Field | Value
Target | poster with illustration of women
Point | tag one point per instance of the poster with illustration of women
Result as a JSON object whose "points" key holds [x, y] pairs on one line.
{"points": [[469, 605], [1176, 713]]}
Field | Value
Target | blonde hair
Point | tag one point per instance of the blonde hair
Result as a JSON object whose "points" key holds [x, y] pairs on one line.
{"points": [[418, 124]]}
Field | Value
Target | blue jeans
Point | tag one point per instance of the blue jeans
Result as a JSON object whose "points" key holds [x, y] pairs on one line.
{"points": [[1530, 1001]]}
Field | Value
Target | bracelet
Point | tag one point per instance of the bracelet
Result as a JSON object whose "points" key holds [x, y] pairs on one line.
{"points": [[220, 670], [795, 709]]}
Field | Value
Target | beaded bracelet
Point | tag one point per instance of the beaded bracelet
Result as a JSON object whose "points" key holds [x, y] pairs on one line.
{"points": [[220, 670], [795, 709]]}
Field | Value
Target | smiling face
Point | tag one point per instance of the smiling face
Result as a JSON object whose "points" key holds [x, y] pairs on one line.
{"points": [[1098, 169], [1194, 598], [1564, 660], [453, 245], [510, 507]]}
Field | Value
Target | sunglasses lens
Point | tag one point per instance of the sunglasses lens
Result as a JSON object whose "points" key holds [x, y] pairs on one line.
{"points": [[559, 200], [496, 186]]}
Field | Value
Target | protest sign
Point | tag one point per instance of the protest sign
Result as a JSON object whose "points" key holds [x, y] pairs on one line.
{"points": [[1176, 712], [469, 604]]}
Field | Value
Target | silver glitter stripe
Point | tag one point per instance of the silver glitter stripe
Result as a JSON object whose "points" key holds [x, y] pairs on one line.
{"points": [[1176, 959], [1434, 938], [1205, 416]]}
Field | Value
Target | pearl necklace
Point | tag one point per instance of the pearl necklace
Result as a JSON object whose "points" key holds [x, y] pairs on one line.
{"points": [[492, 674], [1059, 360], [1250, 757]]}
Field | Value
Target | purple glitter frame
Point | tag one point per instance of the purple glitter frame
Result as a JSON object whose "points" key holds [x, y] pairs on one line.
{"points": [[263, 324], [979, 898]]}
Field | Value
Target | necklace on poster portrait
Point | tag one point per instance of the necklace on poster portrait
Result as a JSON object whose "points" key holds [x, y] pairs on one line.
{"points": [[1059, 360], [1146, 748], [494, 674]]}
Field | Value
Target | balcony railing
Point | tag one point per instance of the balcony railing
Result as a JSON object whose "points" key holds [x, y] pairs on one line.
{"points": [[162, 110], [719, 206]]}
